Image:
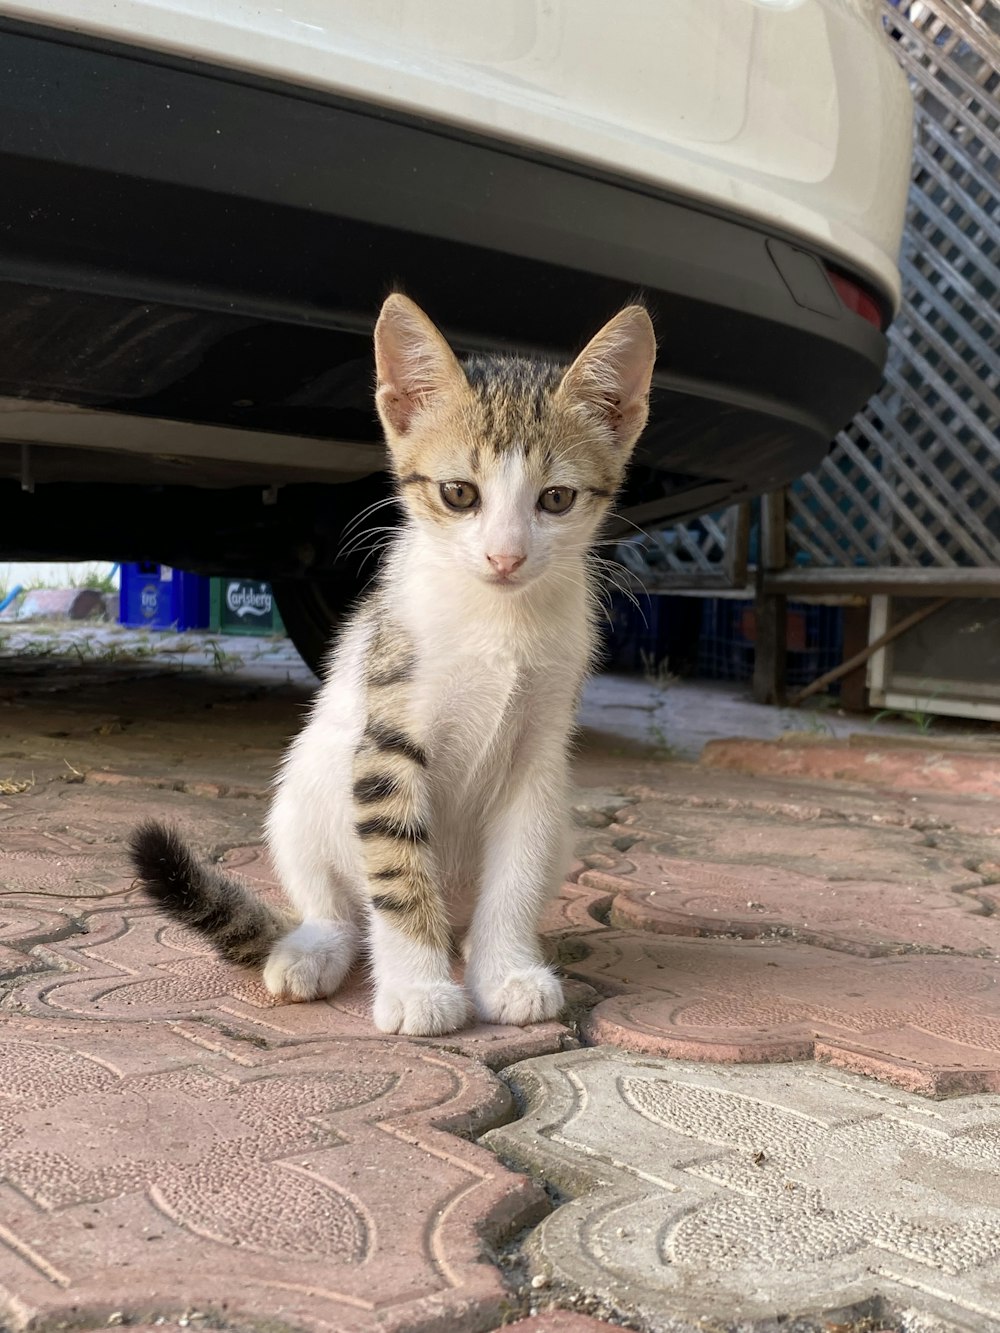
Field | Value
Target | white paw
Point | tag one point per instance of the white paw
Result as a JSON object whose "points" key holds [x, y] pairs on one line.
{"points": [[530, 995], [424, 1010], [312, 961]]}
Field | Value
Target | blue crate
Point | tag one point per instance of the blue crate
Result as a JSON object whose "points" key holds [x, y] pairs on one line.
{"points": [[156, 596]]}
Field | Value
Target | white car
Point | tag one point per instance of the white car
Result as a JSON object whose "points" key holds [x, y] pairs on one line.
{"points": [[203, 202]]}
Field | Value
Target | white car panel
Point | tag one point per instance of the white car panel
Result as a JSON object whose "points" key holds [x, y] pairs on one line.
{"points": [[791, 112]]}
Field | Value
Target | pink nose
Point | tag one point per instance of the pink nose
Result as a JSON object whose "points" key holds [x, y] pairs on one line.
{"points": [[506, 564]]}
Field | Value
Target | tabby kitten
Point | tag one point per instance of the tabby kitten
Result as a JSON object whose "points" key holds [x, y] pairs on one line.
{"points": [[426, 798]]}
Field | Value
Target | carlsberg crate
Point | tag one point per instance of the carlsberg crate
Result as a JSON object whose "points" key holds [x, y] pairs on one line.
{"points": [[244, 606]]}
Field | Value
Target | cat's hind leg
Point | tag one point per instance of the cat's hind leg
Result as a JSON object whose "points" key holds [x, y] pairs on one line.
{"points": [[313, 959]]}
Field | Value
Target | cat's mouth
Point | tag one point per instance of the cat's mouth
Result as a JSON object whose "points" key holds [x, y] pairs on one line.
{"points": [[507, 582]]}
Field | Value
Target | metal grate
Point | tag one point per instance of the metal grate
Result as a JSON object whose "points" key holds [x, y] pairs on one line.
{"points": [[915, 480], [727, 643]]}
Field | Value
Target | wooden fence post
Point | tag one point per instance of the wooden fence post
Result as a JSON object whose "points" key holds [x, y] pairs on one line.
{"points": [[769, 657]]}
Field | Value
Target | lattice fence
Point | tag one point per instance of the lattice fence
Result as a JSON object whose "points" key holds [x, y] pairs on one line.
{"points": [[915, 480], [709, 552]]}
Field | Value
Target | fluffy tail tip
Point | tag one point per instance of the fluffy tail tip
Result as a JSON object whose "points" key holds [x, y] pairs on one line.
{"points": [[157, 854]]}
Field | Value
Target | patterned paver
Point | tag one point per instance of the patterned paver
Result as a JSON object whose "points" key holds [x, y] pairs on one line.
{"points": [[973, 771], [134, 967], [930, 1024], [147, 1173], [68, 913], [837, 849], [36, 863], [179, 1151], [804, 800], [670, 895], [723, 1198], [22, 928]]}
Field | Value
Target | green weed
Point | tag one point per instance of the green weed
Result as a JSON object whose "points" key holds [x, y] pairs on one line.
{"points": [[221, 660], [91, 577], [923, 721], [657, 673]]}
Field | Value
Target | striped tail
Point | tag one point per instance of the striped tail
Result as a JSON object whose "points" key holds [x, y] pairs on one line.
{"points": [[240, 926]]}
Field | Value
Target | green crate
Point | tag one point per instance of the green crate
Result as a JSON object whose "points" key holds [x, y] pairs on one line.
{"points": [[244, 606]]}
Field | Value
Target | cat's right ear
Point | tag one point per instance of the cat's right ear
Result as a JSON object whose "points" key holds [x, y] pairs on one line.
{"points": [[415, 366]]}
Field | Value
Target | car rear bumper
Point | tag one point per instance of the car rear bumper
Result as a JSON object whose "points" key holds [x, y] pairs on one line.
{"points": [[791, 109], [181, 243]]}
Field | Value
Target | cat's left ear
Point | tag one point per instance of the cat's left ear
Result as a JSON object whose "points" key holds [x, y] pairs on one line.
{"points": [[415, 365], [612, 375]]}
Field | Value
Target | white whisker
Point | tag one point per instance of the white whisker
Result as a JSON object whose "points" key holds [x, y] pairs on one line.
{"points": [[369, 509], [348, 548]]}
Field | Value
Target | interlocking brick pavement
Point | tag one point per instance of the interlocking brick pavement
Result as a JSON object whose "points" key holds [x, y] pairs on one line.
{"points": [[972, 771], [558, 1321], [834, 848], [135, 967], [930, 1024], [330, 1184], [867, 939], [871, 917], [741, 1198]]}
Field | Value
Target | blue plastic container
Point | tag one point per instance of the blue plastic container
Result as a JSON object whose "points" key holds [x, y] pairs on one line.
{"points": [[155, 596]]}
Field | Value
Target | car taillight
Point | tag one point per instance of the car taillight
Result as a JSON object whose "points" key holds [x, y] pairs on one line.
{"points": [[857, 299]]}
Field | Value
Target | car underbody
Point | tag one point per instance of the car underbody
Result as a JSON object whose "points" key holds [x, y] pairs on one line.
{"points": [[191, 262]]}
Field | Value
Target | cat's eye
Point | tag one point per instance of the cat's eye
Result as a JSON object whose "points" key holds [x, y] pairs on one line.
{"points": [[459, 494], [556, 500]]}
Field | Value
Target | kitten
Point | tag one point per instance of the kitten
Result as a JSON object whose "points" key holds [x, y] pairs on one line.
{"points": [[426, 798]]}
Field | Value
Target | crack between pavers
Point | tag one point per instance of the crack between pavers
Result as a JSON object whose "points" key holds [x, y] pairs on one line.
{"points": [[168, 1316], [26, 945]]}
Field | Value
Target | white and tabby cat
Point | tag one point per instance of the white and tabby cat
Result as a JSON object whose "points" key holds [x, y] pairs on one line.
{"points": [[426, 799]]}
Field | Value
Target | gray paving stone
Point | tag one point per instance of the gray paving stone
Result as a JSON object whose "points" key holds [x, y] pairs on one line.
{"points": [[747, 1197]]}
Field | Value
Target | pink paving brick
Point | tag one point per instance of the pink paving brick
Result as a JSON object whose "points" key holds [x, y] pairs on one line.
{"points": [[37, 863], [903, 767], [692, 787], [69, 839], [578, 910], [929, 1024], [833, 848], [600, 851], [670, 896], [140, 968], [550, 1321], [148, 1176], [160, 782]]}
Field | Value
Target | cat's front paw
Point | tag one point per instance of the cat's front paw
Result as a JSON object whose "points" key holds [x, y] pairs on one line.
{"points": [[529, 995], [424, 1010]]}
